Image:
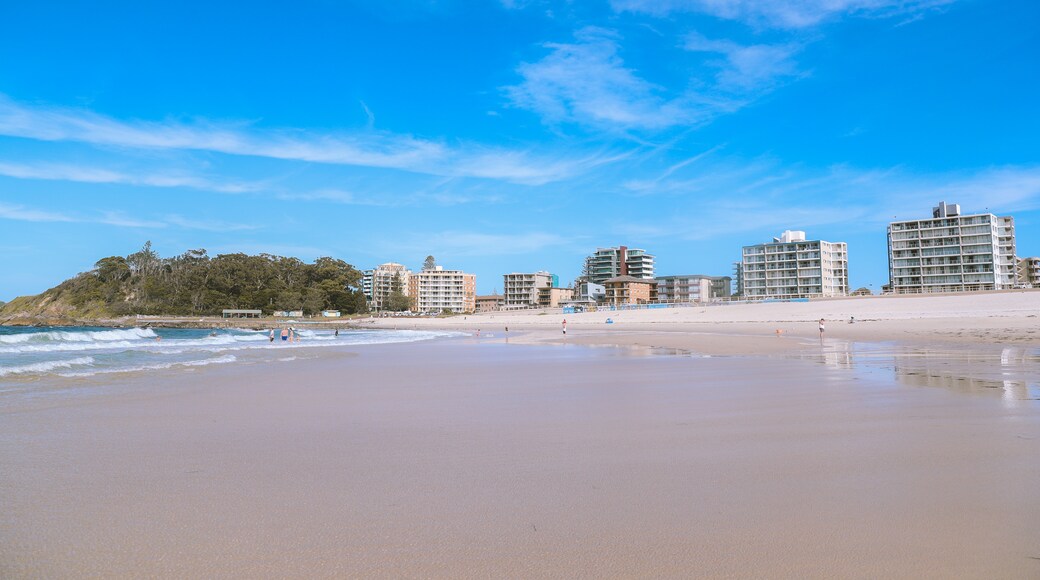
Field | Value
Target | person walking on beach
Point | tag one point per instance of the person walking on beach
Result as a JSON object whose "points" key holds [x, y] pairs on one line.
{"points": [[821, 328], [565, 326]]}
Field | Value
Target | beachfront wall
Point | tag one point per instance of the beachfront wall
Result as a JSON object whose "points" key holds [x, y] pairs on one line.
{"points": [[630, 290], [438, 290], [952, 253]]}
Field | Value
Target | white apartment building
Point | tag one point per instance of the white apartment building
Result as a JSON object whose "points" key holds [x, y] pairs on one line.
{"points": [[522, 290], [379, 283], [438, 290], [609, 263], [692, 288], [792, 267], [951, 252]]}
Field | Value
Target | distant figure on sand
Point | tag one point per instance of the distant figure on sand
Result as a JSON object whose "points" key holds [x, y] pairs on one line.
{"points": [[852, 320], [565, 326], [821, 327]]}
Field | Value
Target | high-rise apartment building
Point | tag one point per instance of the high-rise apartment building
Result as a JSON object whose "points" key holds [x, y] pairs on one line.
{"points": [[438, 290], [951, 252], [522, 290], [792, 267], [609, 263], [382, 281]]}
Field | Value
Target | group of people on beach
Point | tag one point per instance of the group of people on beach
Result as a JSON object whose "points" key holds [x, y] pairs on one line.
{"points": [[288, 334]]}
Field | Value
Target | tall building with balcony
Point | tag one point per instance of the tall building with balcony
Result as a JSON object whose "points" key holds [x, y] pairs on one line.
{"points": [[792, 267], [522, 290], [692, 288], [951, 252], [382, 281], [609, 263], [438, 290]]}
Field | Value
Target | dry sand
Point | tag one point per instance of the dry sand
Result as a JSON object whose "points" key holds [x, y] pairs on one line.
{"points": [[474, 458], [752, 328]]}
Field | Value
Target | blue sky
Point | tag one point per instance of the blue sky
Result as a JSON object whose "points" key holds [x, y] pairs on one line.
{"points": [[506, 136]]}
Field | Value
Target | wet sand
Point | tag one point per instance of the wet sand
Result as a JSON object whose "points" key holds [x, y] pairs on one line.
{"points": [[476, 458]]}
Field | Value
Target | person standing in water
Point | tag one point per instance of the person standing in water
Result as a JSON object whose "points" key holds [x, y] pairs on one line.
{"points": [[821, 328]]}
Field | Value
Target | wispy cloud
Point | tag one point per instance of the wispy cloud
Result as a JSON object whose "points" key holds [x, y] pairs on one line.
{"points": [[587, 82], [24, 214], [786, 14], [370, 148], [118, 219], [746, 68], [51, 171], [207, 225]]}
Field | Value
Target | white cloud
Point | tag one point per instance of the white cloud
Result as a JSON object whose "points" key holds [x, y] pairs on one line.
{"points": [[22, 213], [117, 218], [587, 82], [370, 148], [746, 68], [789, 14], [51, 171]]}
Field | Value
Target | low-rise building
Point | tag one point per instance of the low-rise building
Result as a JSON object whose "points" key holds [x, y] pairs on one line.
{"points": [[692, 288], [630, 290], [1028, 274], [552, 297], [489, 302], [522, 290]]}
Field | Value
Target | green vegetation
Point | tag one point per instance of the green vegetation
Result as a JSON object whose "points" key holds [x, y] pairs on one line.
{"points": [[195, 284], [397, 301]]}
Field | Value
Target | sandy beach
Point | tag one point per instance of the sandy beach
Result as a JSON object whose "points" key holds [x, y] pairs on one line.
{"points": [[906, 445], [754, 328]]}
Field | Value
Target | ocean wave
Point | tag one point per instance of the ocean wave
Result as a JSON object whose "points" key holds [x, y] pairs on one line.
{"points": [[46, 366], [229, 358], [117, 334]]}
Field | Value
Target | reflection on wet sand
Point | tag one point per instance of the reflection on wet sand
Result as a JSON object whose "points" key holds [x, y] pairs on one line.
{"points": [[1011, 372]]}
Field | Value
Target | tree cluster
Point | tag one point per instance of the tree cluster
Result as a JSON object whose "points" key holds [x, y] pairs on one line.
{"points": [[194, 283]]}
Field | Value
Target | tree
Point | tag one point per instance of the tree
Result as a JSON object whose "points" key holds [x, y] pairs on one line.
{"points": [[430, 263]]}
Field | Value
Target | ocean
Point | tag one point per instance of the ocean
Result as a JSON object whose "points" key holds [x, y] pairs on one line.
{"points": [[34, 353]]}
